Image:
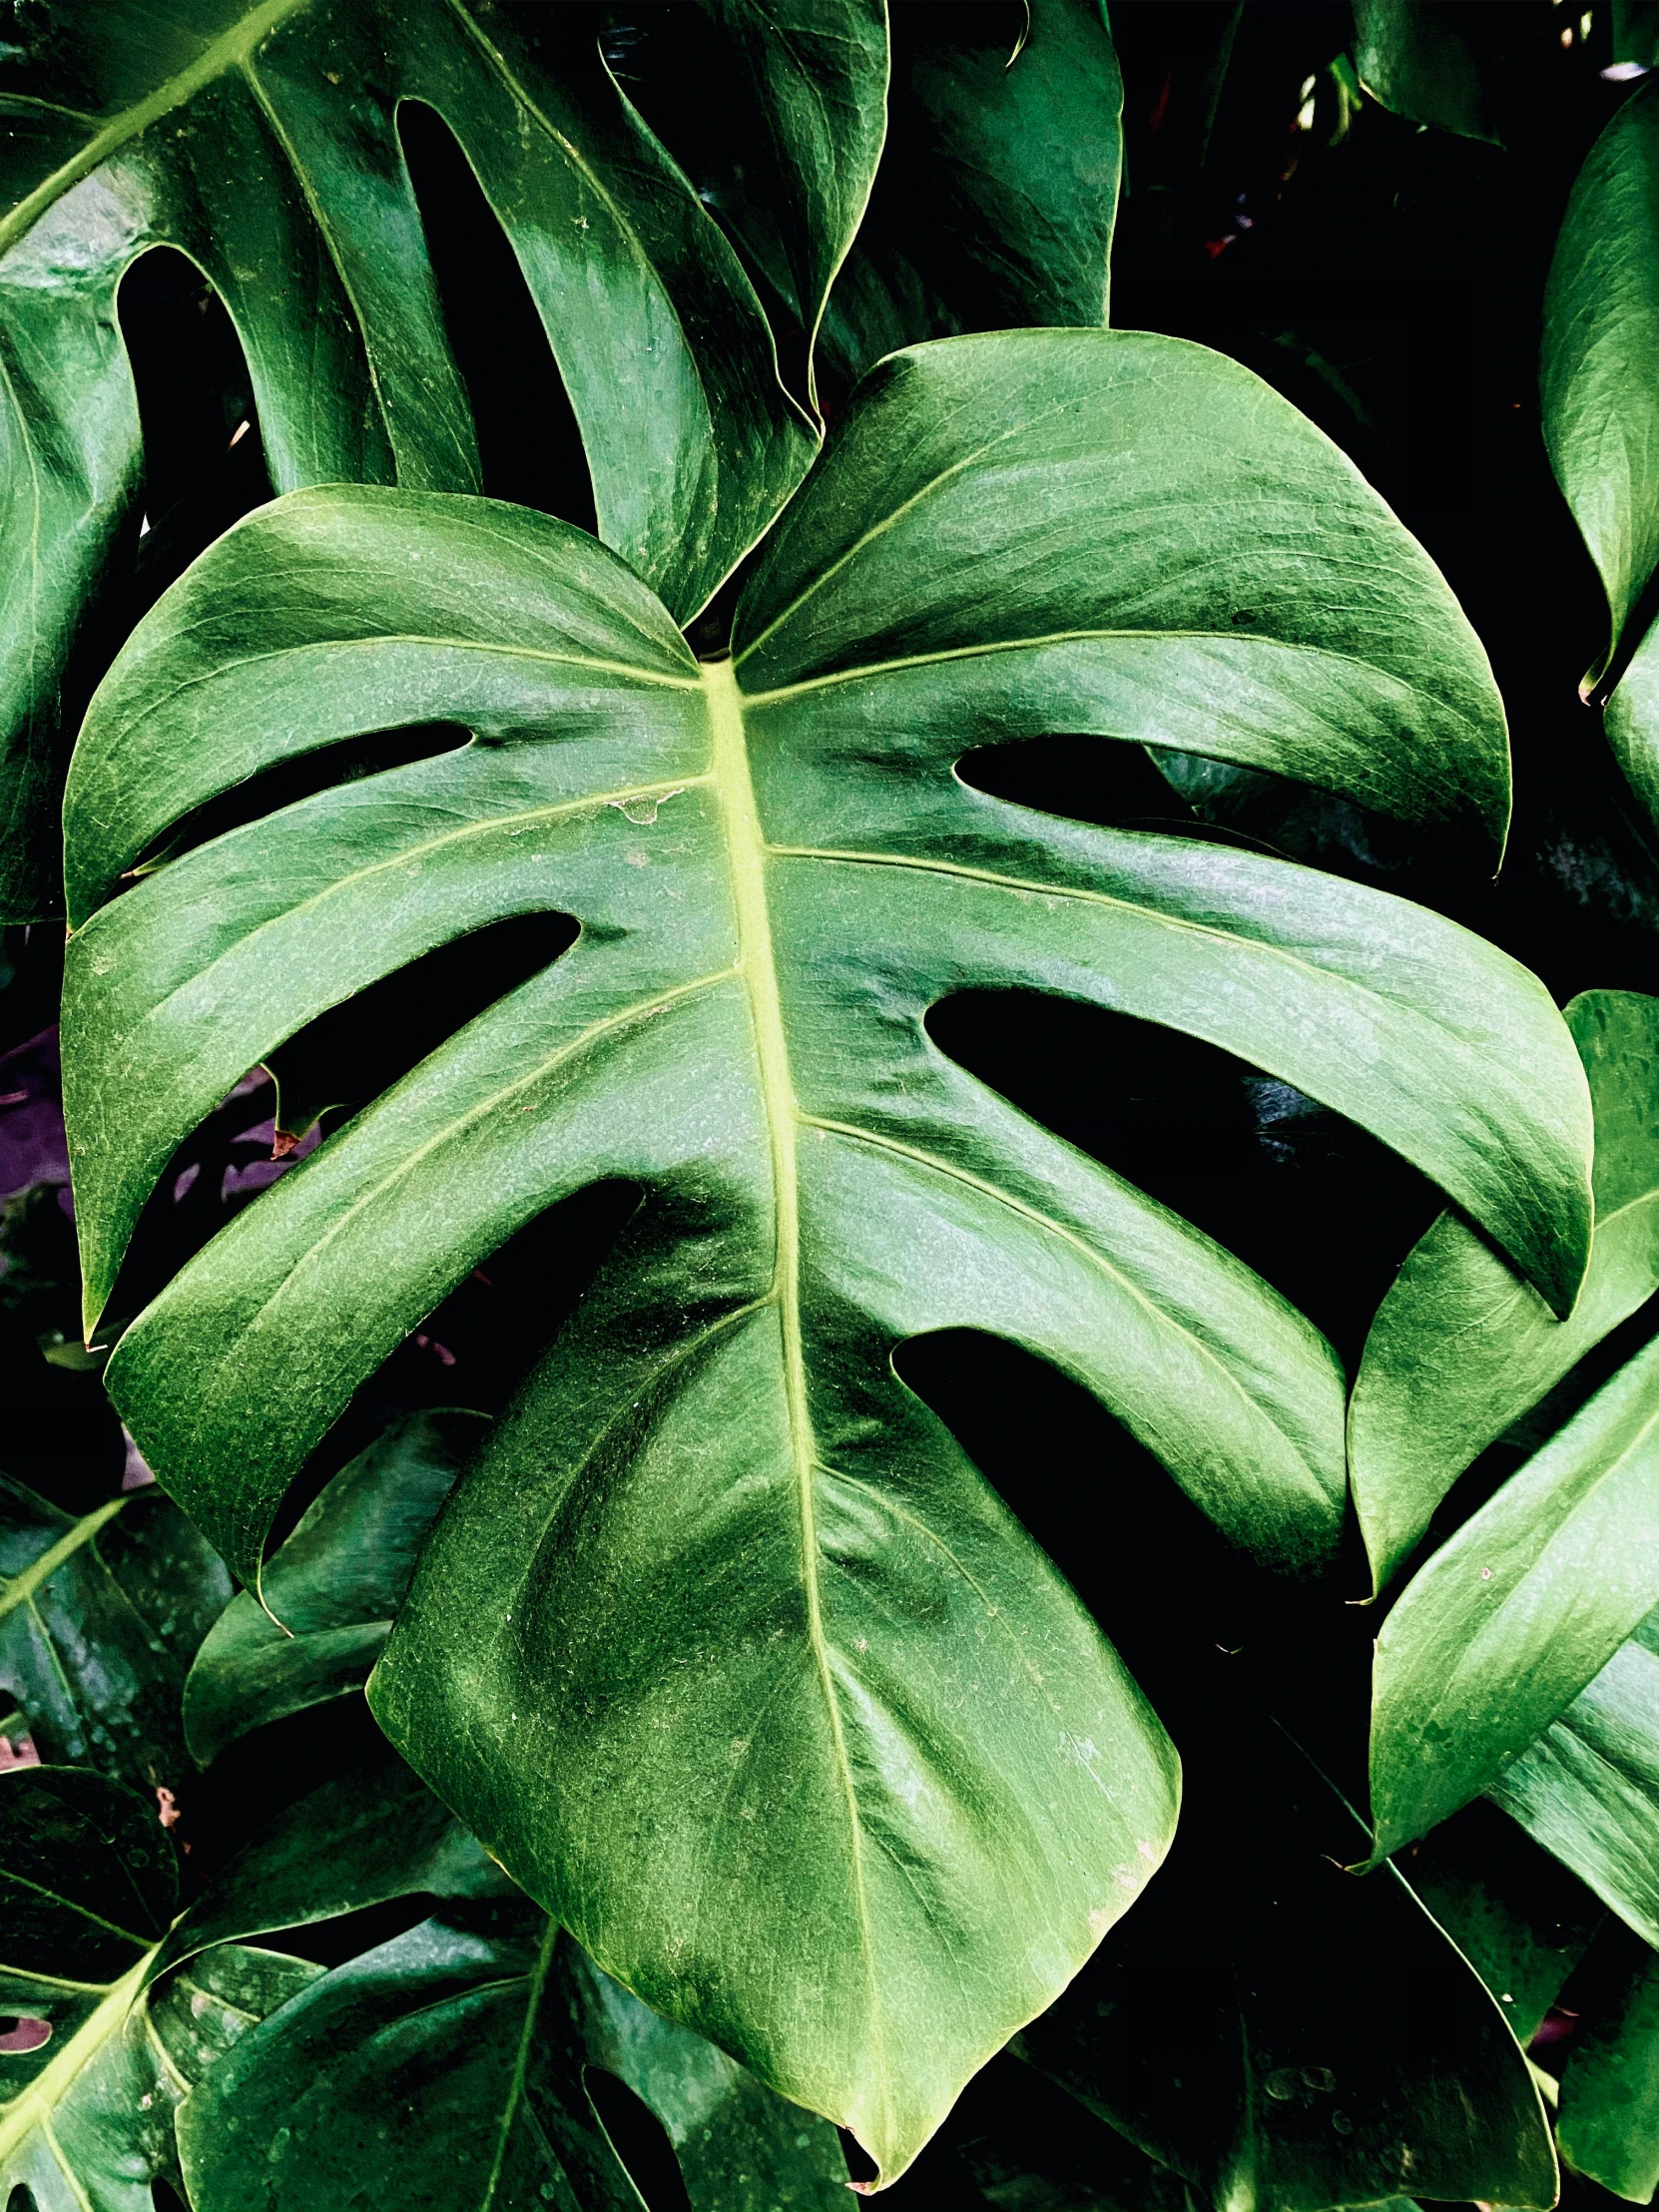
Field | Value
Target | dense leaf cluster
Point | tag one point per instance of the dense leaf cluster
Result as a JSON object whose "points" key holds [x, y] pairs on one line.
{"points": [[798, 1111]]}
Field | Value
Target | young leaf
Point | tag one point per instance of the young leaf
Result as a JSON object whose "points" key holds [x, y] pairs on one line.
{"points": [[1520, 1611], [1588, 1788], [332, 1589], [100, 1618], [1462, 1346], [1609, 2125], [721, 1591], [1600, 362], [262, 140], [997, 191], [1242, 2024]]}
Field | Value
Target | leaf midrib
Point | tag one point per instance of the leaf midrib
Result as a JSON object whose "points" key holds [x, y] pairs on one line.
{"points": [[34, 2106], [747, 854]]}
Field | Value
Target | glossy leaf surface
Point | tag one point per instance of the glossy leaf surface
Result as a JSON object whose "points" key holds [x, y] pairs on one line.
{"points": [[1520, 1611], [722, 1647], [1600, 361], [452, 2061], [100, 1618], [1588, 1789], [332, 1589], [1610, 2087], [1462, 1345], [997, 192], [262, 141], [1286, 2035]]}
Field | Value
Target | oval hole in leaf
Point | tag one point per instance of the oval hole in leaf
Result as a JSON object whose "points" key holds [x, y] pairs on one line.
{"points": [[332, 1943], [495, 1327], [529, 445], [1286, 1184], [1087, 779], [202, 468], [345, 1058], [21, 2031], [287, 782], [164, 2197], [639, 2139], [20, 2200]]}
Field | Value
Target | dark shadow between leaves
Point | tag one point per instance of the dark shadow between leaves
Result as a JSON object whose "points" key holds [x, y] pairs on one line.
{"points": [[302, 775], [529, 444], [639, 2139], [332, 1067], [1316, 1205], [204, 463], [1170, 1593]]}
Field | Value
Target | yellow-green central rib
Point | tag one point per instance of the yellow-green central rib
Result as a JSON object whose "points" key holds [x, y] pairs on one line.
{"points": [[746, 851]]}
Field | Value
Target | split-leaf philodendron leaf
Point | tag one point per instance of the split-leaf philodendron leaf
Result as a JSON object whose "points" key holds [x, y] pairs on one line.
{"points": [[262, 140], [1462, 1345], [1610, 2087], [482, 2018], [723, 1647], [1514, 1616]]}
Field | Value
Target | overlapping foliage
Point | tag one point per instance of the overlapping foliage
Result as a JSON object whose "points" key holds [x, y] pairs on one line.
{"points": [[625, 901]]}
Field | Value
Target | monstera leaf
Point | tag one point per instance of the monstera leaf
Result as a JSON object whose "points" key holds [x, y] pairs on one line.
{"points": [[457, 2061], [97, 2063], [722, 1645], [1462, 1345], [100, 1618], [997, 192], [262, 142], [1493, 1641]]}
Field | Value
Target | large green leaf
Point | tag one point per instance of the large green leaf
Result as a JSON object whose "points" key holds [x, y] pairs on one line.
{"points": [[452, 2061], [1284, 2035], [1600, 362], [722, 1647], [332, 1589], [100, 1618], [1610, 2087], [997, 192], [1520, 1611], [1462, 1345], [1588, 1788], [86, 1886], [262, 141]]}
